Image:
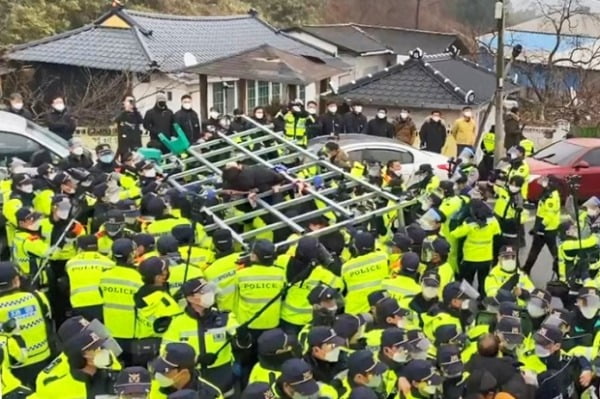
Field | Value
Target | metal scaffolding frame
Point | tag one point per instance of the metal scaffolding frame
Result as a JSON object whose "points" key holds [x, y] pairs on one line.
{"points": [[350, 198]]}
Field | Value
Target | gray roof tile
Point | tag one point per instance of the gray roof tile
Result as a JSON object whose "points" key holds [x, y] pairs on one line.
{"points": [[348, 37], [92, 47], [162, 39], [420, 83]]}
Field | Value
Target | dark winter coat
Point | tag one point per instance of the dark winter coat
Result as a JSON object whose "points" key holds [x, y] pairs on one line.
{"points": [[406, 131], [354, 123], [250, 178], [512, 130], [189, 122], [61, 123], [380, 128], [331, 124], [25, 113], [433, 135], [159, 120], [129, 127]]}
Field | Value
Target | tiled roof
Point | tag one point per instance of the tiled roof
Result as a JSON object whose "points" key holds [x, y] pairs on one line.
{"points": [[159, 40], [267, 63], [362, 39], [438, 81]]}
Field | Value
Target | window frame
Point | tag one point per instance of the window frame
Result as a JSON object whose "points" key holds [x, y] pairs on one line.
{"points": [[25, 138], [397, 152]]}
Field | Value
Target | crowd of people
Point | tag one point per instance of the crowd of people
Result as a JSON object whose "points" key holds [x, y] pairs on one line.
{"points": [[113, 286]]}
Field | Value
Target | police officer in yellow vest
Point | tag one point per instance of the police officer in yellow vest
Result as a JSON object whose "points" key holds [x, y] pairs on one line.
{"points": [[199, 257], [84, 271], [21, 195], [488, 145], [175, 370], [505, 275], [29, 247], [427, 298], [32, 315], [518, 167], [296, 122], [547, 221], [303, 272], [154, 306], [257, 284], [89, 359], [296, 380], [394, 352], [404, 283], [112, 229], [118, 287], [528, 145], [274, 348], [363, 273], [364, 370], [352, 328], [324, 301], [388, 314], [12, 352], [508, 209], [221, 272], [207, 330], [179, 271], [557, 373], [424, 379], [163, 222], [454, 309], [324, 354], [44, 189]]}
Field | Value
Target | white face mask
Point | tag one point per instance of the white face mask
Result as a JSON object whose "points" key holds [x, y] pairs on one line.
{"points": [[311, 110], [207, 299], [259, 115], [333, 309], [425, 205], [593, 212], [465, 304], [59, 107], [541, 351], [186, 106], [358, 109], [17, 106], [535, 311], [435, 118], [381, 115], [51, 176], [400, 357], [514, 189], [214, 115], [333, 110], [468, 114], [333, 356], [397, 172], [589, 312], [35, 226], [544, 183], [163, 380], [27, 189], [430, 292], [150, 173], [401, 323], [102, 359], [77, 151], [63, 215], [403, 115], [508, 265]]}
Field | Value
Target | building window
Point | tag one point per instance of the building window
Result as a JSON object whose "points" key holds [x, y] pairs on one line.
{"points": [[251, 94], [301, 90], [224, 97], [262, 93]]}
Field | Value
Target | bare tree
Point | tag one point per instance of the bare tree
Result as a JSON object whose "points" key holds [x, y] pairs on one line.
{"points": [[560, 77]]}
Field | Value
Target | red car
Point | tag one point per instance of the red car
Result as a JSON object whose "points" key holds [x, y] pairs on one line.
{"points": [[577, 156]]}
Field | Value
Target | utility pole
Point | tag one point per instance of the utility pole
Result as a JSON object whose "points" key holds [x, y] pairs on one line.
{"points": [[417, 14], [499, 100]]}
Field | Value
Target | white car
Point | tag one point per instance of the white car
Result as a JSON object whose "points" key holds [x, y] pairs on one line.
{"points": [[362, 147]]}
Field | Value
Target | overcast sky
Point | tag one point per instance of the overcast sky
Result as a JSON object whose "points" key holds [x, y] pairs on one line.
{"points": [[524, 4]]}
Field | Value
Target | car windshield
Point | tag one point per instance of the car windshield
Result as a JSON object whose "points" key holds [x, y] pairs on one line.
{"points": [[560, 153]]}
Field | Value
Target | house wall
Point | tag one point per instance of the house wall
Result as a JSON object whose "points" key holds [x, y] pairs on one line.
{"points": [[362, 66], [145, 93]]}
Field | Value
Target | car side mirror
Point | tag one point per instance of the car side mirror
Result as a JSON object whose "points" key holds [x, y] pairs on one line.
{"points": [[581, 165]]}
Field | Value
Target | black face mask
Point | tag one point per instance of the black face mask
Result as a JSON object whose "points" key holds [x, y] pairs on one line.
{"points": [[162, 104], [323, 317]]}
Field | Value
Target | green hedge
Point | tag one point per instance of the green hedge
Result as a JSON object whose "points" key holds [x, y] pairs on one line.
{"points": [[593, 131]]}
